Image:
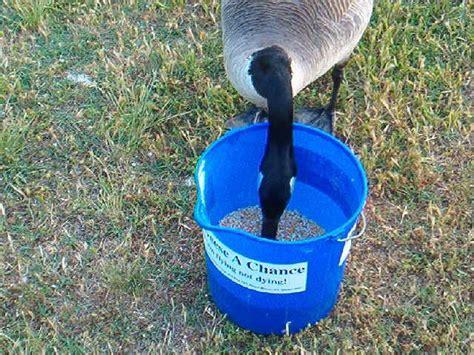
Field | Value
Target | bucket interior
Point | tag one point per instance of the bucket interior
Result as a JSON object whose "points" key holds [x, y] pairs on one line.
{"points": [[330, 184]]}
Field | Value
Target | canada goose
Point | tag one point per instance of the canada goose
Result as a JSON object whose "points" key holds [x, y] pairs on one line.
{"points": [[272, 50]]}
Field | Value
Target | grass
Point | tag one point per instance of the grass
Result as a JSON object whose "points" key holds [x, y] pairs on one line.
{"points": [[99, 251], [32, 13]]}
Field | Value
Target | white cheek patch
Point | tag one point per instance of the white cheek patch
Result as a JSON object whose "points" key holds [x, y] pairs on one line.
{"points": [[259, 180], [292, 184]]}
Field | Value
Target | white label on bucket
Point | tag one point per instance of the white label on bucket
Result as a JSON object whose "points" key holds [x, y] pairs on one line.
{"points": [[254, 274]]}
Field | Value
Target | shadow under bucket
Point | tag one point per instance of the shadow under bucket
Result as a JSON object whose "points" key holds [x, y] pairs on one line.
{"points": [[278, 287]]}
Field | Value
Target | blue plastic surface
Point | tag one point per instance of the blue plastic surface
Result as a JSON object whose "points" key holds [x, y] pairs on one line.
{"points": [[331, 189]]}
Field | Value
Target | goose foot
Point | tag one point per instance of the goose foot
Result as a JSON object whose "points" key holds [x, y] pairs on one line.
{"points": [[254, 115], [321, 118]]}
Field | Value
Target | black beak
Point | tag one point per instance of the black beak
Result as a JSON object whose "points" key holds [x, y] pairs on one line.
{"points": [[269, 228]]}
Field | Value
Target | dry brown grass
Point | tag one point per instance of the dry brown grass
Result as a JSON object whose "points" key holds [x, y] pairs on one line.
{"points": [[98, 248]]}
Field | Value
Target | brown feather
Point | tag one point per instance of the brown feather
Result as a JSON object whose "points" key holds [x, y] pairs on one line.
{"points": [[316, 34]]}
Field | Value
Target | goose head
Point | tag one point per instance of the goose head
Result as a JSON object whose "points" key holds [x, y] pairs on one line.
{"points": [[270, 71]]}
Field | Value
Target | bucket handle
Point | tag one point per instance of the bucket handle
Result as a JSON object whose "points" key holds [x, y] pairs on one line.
{"points": [[351, 235]]}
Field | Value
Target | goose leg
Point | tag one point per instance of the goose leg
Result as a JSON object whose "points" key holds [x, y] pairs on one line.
{"points": [[337, 76], [323, 118], [315, 117], [254, 115]]}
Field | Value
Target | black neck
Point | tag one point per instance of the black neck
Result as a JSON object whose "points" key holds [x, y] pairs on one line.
{"points": [[280, 115], [271, 76]]}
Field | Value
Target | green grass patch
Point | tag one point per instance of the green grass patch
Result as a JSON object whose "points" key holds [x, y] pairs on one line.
{"points": [[105, 108]]}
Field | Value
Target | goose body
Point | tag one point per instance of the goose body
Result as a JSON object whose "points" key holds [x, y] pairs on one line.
{"points": [[315, 34], [272, 50]]}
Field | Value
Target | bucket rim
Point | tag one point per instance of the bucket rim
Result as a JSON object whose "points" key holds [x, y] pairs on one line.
{"points": [[334, 234]]}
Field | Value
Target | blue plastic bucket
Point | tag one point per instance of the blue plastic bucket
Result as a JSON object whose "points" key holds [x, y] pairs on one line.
{"points": [[278, 287]]}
